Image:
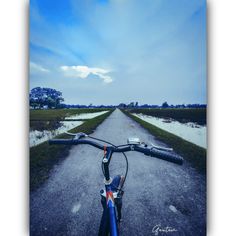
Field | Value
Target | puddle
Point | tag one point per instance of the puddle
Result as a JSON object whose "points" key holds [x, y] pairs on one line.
{"points": [[172, 208], [76, 208]]}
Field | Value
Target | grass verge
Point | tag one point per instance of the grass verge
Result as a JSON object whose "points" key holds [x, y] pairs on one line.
{"points": [[192, 153], [44, 156]]}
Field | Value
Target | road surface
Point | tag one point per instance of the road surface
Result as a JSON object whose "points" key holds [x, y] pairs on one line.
{"points": [[156, 192]]}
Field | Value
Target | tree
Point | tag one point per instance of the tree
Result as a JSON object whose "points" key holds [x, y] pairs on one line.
{"points": [[122, 105], [131, 104], [165, 105], [40, 97]]}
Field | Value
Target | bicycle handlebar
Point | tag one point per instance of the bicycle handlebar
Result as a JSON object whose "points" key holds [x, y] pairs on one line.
{"points": [[147, 150], [75, 142], [164, 155]]}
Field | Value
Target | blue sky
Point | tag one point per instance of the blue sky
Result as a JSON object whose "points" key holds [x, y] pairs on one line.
{"points": [[112, 51]]}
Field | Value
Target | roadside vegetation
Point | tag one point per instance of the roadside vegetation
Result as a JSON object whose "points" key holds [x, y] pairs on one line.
{"points": [[192, 153], [60, 114], [44, 156], [50, 119], [183, 115]]}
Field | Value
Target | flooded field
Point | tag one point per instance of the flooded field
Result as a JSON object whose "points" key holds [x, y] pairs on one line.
{"points": [[189, 131], [39, 136], [61, 114], [43, 130], [183, 115], [85, 115]]}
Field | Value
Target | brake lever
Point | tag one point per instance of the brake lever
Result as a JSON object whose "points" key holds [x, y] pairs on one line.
{"points": [[162, 148], [77, 135]]}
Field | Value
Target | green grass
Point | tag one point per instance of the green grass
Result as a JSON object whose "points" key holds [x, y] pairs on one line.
{"points": [[197, 115], [44, 156], [192, 153], [60, 114]]}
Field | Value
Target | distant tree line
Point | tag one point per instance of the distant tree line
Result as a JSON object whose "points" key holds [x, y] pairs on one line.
{"points": [[164, 105], [44, 98], [134, 105]]}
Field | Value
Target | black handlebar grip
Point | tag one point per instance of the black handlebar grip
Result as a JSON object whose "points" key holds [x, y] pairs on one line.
{"points": [[62, 141], [167, 156]]}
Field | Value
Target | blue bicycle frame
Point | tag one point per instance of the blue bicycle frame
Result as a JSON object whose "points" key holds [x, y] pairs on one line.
{"points": [[110, 203]]}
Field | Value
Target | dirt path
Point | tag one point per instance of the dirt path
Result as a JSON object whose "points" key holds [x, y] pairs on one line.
{"points": [[156, 192]]}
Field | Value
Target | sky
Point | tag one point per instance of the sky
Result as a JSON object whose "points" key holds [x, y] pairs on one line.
{"points": [[119, 51]]}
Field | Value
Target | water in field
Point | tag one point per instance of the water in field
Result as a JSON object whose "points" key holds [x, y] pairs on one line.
{"points": [[41, 131], [39, 136], [191, 132], [85, 115]]}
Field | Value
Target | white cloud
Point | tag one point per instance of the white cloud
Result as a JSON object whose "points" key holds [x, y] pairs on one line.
{"points": [[84, 71], [37, 68]]}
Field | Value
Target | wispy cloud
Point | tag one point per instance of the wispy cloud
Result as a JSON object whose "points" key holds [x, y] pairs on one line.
{"points": [[84, 71], [37, 68]]}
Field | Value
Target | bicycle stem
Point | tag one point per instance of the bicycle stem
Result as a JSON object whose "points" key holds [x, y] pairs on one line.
{"points": [[106, 161]]}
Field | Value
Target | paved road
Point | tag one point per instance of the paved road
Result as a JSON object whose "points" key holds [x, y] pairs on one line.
{"points": [[156, 192]]}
